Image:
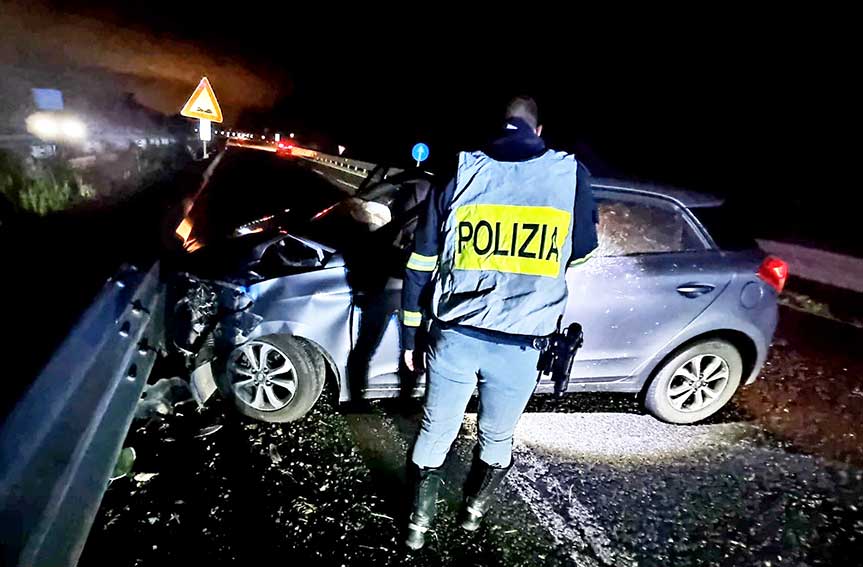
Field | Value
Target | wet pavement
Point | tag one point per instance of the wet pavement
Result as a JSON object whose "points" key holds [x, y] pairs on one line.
{"points": [[306, 493], [774, 479]]}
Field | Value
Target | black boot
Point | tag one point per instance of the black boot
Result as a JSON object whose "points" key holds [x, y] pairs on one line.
{"points": [[426, 482], [482, 480]]}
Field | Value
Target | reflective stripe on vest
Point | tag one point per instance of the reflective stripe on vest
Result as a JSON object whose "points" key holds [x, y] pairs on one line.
{"points": [[507, 240]]}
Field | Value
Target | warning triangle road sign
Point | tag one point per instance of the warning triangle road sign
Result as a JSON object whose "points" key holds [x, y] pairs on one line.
{"points": [[203, 104]]}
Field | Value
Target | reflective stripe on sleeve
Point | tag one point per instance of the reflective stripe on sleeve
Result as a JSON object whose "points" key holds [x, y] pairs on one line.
{"points": [[412, 318], [422, 263], [584, 258]]}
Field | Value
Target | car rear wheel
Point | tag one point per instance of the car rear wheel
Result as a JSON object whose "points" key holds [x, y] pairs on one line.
{"points": [[695, 382], [274, 378]]}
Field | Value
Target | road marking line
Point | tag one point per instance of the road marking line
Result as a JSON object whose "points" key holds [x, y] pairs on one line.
{"points": [[578, 529], [348, 184]]}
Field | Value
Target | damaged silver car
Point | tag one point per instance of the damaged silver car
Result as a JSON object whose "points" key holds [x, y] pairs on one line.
{"points": [[296, 285], [289, 286]]}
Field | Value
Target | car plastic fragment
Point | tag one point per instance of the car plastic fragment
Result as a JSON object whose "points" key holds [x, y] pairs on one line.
{"points": [[203, 384], [209, 430], [124, 465], [144, 476]]}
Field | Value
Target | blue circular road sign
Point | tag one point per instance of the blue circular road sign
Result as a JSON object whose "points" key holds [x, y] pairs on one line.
{"points": [[420, 152]]}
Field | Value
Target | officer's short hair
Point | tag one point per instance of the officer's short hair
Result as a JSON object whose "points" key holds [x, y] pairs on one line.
{"points": [[523, 107]]}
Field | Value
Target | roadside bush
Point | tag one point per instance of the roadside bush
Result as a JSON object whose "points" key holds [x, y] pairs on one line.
{"points": [[38, 186]]}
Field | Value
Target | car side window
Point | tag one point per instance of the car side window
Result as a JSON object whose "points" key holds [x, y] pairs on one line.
{"points": [[636, 224]]}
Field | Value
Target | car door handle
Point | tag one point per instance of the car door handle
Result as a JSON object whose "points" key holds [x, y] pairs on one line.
{"points": [[695, 289]]}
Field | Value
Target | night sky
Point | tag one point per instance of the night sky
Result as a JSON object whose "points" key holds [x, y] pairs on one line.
{"points": [[715, 102]]}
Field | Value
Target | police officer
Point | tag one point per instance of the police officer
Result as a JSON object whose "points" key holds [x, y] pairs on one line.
{"points": [[494, 246]]}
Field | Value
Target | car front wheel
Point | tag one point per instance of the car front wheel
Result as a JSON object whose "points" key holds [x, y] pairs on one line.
{"points": [[695, 383], [273, 378]]}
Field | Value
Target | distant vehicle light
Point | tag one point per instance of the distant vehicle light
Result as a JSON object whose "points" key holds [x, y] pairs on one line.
{"points": [[244, 230], [43, 126], [774, 272], [282, 146], [56, 127], [74, 129]]}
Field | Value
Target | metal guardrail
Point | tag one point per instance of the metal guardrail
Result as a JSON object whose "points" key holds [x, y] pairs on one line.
{"points": [[362, 168], [59, 444], [356, 167], [97, 143]]}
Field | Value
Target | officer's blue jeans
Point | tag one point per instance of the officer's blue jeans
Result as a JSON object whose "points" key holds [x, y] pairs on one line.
{"points": [[457, 364]]}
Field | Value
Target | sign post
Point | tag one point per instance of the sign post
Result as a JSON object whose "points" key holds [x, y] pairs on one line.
{"points": [[420, 153], [205, 133], [203, 106]]}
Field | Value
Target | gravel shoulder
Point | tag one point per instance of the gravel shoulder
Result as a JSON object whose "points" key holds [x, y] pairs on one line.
{"points": [[810, 393]]}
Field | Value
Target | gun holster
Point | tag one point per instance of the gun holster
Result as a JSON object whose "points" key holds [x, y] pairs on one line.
{"points": [[557, 352]]}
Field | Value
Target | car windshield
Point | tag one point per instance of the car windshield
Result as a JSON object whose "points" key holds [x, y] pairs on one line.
{"points": [[251, 192]]}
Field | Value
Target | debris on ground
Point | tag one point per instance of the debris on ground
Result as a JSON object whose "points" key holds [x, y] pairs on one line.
{"points": [[125, 463], [203, 384], [274, 454], [160, 398], [209, 430], [144, 476], [301, 493]]}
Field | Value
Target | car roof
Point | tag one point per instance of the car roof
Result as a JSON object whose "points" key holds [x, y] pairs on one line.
{"points": [[689, 199]]}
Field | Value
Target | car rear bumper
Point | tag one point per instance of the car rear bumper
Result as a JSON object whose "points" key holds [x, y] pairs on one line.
{"points": [[763, 329]]}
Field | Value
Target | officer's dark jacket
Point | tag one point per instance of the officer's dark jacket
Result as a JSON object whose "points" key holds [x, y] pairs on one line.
{"points": [[520, 144]]}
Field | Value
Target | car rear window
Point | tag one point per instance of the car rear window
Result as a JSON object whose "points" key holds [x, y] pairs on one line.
{"points": [[729, 226], [634, 224]]}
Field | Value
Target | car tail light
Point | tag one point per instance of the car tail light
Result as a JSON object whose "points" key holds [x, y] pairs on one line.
{"points": [[774, 271]]}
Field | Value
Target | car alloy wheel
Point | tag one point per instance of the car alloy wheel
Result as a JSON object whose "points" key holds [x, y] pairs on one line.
{"points": [[698, 383], [262, 376]]}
